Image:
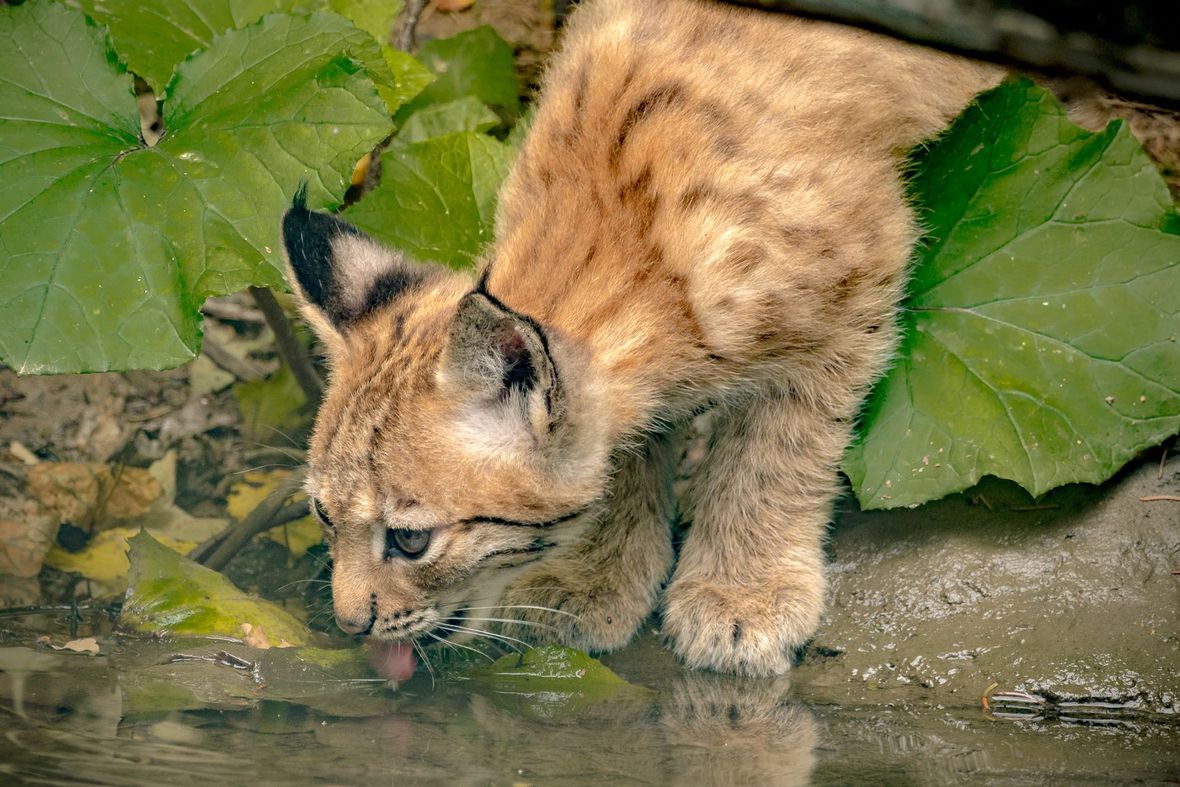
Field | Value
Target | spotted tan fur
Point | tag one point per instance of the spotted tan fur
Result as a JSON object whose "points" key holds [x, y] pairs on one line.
{"points": [[707, 213]]}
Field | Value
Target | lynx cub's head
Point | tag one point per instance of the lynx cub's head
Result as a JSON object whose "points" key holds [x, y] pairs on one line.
{"points": [[453, 445]]}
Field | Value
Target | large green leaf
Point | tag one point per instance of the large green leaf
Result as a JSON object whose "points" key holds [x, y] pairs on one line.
{"points": [[437, 198], [476, 63], [376, 17], [154, 35], [108, 247], [1043, 317], [462, 114]]}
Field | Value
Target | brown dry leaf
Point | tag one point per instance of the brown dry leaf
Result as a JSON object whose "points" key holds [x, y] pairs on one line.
{"points": [[83, 645], [451, 6], [255, 637], [27, 531], [93, 493]]}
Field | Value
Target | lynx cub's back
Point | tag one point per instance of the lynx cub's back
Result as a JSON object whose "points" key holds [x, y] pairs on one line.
{"points": [[706, 213]]}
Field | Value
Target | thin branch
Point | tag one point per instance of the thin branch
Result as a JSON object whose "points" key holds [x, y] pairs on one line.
{"points": [[407, 31], [238, 367], [290, 349], [231, 311], [271, 512]]}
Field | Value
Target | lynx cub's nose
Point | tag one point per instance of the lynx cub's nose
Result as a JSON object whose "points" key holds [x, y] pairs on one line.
{"points": [[350, 626]]}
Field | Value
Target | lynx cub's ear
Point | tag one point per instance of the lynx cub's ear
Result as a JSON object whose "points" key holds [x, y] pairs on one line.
{"points": [[503, 359], [340, 272]]}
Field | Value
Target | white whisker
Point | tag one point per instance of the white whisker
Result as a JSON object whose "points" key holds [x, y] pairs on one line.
{"points": [[513, 621], [425, 661], [460, 645], [483, 633], [522, 606]]}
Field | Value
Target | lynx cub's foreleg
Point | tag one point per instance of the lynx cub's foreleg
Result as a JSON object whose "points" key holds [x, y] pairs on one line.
{"points": [[749, 585], [608, 582]]}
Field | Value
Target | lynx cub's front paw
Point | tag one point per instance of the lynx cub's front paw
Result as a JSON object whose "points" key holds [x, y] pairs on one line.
{"points": [[580, 608], [748, 630]]}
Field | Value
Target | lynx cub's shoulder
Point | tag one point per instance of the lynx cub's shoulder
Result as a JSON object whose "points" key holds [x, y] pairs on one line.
{"points": [[707, 213]]}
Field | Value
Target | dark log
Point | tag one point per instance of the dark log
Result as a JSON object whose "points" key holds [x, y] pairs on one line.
{"points": [[1131, 48]]}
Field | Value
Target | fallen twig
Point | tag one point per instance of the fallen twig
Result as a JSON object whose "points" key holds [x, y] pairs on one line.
{"points": [[271, 512], [1160, 498], [290, 349], [230, 311], [1041, 507]]}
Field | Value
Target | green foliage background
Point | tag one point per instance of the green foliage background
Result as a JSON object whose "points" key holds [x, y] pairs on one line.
{"points": [[1041, 328]]}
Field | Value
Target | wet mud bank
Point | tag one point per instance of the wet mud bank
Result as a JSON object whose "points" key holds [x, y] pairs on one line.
{"points": [[1066, 607]]}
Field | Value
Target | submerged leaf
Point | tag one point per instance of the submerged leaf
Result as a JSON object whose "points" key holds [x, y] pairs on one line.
{"points": [[551, 681], [187, 673], [169, 594], [1043, 321]]}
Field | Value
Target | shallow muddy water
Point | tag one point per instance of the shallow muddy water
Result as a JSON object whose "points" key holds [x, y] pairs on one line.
{"points": [[206, 711], [981, 639]]}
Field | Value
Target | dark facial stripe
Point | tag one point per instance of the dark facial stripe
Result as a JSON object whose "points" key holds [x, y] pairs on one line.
{"points": [[538, 545], [528, 560], [495, 520]]}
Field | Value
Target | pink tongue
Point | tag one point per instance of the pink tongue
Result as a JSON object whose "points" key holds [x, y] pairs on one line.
{"points": [[393, 660]]}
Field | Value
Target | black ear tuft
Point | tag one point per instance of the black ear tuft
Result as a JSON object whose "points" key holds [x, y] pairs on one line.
{"points": [[337, 268], [308, 237], [300, 198]]}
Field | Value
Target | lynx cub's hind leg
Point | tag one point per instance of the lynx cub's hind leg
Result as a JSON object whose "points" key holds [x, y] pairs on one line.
{"points": [[749, 586], [607, 583]]}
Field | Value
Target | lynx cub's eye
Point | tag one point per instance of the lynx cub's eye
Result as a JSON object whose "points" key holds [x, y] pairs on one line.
{"points": [[321, 514], [406, 543]]}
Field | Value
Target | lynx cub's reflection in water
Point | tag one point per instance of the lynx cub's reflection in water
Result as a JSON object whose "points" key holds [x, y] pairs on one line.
{"points": [[707, 213]]}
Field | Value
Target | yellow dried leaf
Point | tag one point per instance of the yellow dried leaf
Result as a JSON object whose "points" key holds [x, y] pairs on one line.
{"points": [[361, 170], [298, 536], [104, 560]]}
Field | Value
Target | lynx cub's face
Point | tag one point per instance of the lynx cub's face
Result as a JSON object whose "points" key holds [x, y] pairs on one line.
{"points": [[447, 452]]}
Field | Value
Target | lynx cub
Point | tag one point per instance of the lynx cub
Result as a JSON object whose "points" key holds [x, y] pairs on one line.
{"points": [[707, 213]]}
